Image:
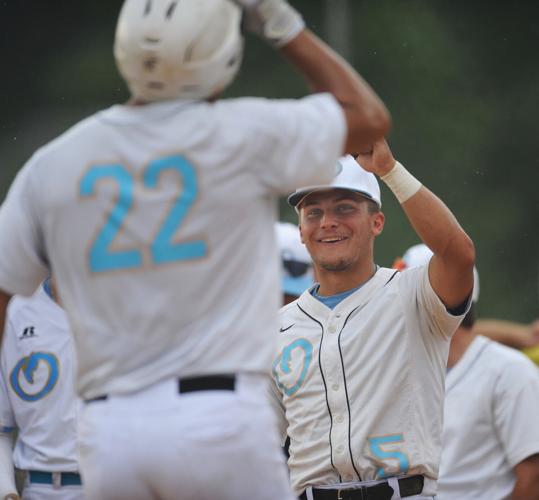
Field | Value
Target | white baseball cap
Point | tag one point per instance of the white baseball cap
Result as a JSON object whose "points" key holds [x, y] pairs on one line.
{"points": [[420, 255], [297, 271], [349, 175]]}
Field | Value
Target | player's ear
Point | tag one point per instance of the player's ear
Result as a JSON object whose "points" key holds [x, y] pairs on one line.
{"points": [[378, 221], [301, 234]]}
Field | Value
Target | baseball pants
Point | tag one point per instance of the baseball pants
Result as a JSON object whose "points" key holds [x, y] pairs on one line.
{"points": [[49, 492], [161, 444]]}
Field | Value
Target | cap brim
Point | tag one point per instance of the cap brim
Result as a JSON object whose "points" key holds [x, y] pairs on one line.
{"points": [[296, 198]]}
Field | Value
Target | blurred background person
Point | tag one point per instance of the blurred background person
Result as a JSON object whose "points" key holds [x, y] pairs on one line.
{"points": [[523, 336], [490, 437], [37, 398], [296, 265]]}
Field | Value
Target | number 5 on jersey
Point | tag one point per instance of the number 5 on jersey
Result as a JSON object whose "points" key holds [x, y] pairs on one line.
{"points": [[376, 445], [162, 249]]}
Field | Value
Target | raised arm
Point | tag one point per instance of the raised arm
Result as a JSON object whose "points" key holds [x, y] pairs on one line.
{"points": [[451, 267], [527, 482], [7, 476], [517, 335], [324, 70]]}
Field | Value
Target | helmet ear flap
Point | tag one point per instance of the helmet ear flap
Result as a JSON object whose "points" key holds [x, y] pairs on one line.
{"points": [[165, 49]]}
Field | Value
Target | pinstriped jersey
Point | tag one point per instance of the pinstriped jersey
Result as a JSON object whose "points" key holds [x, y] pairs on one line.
{"points": [[154, 219], [360, 388], [37, 386]]}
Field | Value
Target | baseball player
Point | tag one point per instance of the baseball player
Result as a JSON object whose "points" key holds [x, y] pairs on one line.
{"points": [[359, 372], [491, 437], [37, 396], [153, 216], [296, 264]]}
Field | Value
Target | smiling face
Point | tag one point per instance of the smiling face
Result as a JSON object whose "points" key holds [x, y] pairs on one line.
{"points": [[338, 228]]}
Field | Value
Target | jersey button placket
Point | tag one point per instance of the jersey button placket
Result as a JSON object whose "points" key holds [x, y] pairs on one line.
{"points": [[331, 362]]}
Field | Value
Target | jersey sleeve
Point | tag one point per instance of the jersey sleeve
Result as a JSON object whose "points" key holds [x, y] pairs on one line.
{"points": [[516, 407], [429, 307], [277, 406], [7, 422], [22, 261], [293, 143]]}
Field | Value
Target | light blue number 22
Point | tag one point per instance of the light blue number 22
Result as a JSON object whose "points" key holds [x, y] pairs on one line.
{"points": [[163, 250]]}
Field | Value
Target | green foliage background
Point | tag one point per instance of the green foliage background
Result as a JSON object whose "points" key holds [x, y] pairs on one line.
{"points": [[461, 80]]}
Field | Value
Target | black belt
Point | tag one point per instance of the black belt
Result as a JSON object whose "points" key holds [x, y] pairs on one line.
{"points": [[66, 478], [409, 486], [193, 384]]}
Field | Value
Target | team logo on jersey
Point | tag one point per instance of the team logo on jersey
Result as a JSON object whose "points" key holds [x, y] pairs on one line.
{"points": [[34, 376], [291, 367], [28, 332]]}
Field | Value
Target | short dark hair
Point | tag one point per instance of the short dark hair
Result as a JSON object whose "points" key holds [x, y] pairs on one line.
{"points": [[372, 206]]}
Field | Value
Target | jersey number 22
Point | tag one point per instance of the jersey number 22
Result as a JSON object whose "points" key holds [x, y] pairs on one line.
{"points": [[162, 249]]}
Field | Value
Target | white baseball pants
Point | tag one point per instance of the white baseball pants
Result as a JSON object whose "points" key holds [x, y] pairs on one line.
{"points": [[157, 444], [49, 492]]}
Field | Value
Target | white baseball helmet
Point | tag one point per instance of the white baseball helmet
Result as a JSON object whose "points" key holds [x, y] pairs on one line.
{"points": [[296, 263], [167, 49]]}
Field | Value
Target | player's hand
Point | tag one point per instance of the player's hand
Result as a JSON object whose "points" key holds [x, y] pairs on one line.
{"points": [[379, 160], [275, 21], [12, 496]]}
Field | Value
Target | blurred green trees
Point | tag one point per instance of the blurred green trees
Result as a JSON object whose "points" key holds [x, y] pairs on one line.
{"points": [[461, 80]]}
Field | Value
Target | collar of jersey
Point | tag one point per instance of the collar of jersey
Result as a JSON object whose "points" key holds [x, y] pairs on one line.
{"points": [[358, 298], [126, 114], [332, 301]]}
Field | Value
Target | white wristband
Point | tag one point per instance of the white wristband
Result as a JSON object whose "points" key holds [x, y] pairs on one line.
{"points": [[403, 184]]}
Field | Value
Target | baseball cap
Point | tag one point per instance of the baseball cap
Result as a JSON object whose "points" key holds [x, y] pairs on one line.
{"points": [[349, 175], [419, 255], [297, 272]]}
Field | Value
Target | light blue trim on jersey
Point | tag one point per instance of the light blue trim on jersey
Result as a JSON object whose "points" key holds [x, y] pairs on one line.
{"points": [[332, 301], [163, 249], [27, 366], [6, 430], [283, 362]]}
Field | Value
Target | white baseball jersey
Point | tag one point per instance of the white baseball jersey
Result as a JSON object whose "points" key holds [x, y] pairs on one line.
{"points": [[362, 385], [490, 421], [37, 393], [153, 219]]}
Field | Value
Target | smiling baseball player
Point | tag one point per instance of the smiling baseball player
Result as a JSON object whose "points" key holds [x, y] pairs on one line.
{"points": [[359, 373], [37, 396], [154, 216]]}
